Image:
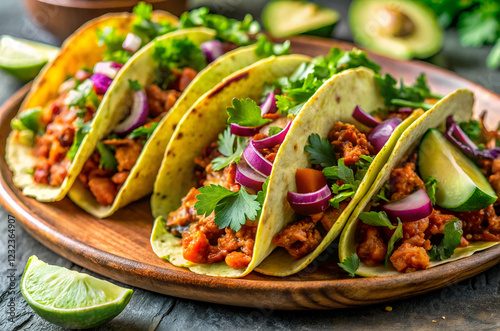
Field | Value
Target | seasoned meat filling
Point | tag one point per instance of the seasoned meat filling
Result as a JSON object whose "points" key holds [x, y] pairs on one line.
{"points": [[349, 143]]}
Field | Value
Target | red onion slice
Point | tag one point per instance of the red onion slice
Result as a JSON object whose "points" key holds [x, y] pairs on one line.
{"points": [[363, 117], [405, 110], [273, 140], [101, 83], [212, 49], [138, 114], [255, 160], [310, 203], [108, 68], [382, 132], [412, 208], [243, 131], [269, 105], [248, 177], [132, 43]]}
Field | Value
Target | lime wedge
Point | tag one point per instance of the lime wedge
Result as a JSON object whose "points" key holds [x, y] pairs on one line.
{"points": [[460, 184], [71, 299], [24, 58]]}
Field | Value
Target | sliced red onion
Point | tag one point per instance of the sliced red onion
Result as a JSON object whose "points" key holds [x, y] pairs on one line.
{"points": [[243, 131], [101, 83], [132, 43], [269, 105], [255, 160], [273, 140], [248, 177], [82, 75], [405, 110], [108, 68], [382, 132], [412, 208], [310, 203], [138, 114], [363, 117], [212, 49]]}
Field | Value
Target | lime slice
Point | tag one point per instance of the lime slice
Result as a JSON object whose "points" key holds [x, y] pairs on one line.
{"points": [[23, 58], [460, 184], [288, 18], [71, 299]]}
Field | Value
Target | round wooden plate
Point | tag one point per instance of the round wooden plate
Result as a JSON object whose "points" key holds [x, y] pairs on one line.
{"points": [[118, 247]]}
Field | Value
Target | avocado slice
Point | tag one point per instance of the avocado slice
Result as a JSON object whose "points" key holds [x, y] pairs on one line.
{"points": [[287, 18], [399, 28]]}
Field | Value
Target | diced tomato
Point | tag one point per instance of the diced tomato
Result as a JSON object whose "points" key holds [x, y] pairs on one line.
{"points": [[309, 180]]}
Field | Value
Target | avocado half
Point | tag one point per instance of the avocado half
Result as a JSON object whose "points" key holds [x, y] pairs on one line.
{"points": [[283, 18], [399, 28]]}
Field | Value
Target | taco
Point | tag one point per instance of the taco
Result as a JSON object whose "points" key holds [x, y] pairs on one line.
{"points": [[69, 104], [432, 202], [225, 222]]}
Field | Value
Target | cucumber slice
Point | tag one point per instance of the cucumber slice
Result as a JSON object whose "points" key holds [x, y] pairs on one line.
{"points": [[461, 185], [288, 18]]}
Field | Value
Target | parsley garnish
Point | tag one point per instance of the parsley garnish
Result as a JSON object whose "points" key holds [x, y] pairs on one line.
{"points": [[267, 48], [320, 151], [396, 236], [143, 131], [83, 129], [231, 147], [431, 188], [274, 130], [232, 209], [134, 85], [107, 160], [452, 238], [376, 219], [245, 112], [350, 264]]}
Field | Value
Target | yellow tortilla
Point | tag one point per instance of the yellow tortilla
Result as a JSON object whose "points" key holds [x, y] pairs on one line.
{"points": [[459, 104], [78, 51]]}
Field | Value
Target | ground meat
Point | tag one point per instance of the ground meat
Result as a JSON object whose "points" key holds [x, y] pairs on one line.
{"points": [[437, 221], [186, 213], [103, 189], [482, 224], [331, 215], [299, 238], [404, 181], [238, 260], [408, 258], [185, 78], [349, 142], [160, 101], [58, 173], [120, 177], [414, 233], [195, 247], [127, 155], [372, 249], [42, 172], [224, 177]]}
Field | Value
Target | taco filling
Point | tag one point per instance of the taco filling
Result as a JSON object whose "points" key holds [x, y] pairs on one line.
{"points": [[411, 222]]}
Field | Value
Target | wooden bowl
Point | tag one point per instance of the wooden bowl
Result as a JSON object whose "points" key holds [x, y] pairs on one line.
{"points": [[63, 17]]}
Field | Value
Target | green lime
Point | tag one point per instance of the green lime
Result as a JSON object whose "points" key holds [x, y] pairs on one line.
{"points": [[288, 18], [71, 299], [24, 58], [460, 184]]}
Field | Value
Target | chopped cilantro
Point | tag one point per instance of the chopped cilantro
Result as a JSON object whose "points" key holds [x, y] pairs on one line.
{"points": [[431, 188], [471, 128], [261, 195], [452, 238], [320, 151], [79, 96], [112, 41], [134, 85], [143, 131], [245, 112], [144, 27], [232, 209], [350, 264], [382, 194], [396, 236], [376, 219], [83, 129], [274, 130], [231, 147], [107, 160], [266, 48]]}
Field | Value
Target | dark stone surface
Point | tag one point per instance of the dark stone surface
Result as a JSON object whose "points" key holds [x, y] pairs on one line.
{"points": [[471, 304]]}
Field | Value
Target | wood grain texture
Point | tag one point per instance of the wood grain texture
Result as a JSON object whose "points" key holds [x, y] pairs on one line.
{"points": [[118, 247]]}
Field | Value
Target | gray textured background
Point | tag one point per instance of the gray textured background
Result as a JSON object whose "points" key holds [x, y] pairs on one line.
{"points": [[470, 304]]}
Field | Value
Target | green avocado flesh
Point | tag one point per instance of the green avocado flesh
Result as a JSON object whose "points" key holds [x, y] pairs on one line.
{"points": [[460, 184], [288, 18], [398, 28]]}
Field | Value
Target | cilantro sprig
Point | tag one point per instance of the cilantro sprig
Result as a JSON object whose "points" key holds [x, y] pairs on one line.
{"points": [[112, 41], [376, 219], [245, 112], [82, 95], [232, 209], [396, 236], [266, 48], [144, 27], [350, 264], [143, 131], [320, 151], [107, 160], [81, 132], [231, 147], [431, 188], [452, 238]]}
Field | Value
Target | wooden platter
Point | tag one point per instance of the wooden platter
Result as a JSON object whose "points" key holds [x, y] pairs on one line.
{"points": [[118, 247]]}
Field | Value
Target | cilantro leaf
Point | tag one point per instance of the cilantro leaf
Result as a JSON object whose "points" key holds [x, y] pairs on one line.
{"points": [[350, 264], [232, 209], [83, 129], [231, 147], [261, 195], [144, 27], [471, 128], [396, 236], [79, 96], [112, 41], [178, 53], [107, 160], [134, 85], [274, 130], [320, 151], [431, 188], [143, 131], [376, 219], [245, 112], [476, 29], [266, 48], [452, 238], [382, 194]]}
